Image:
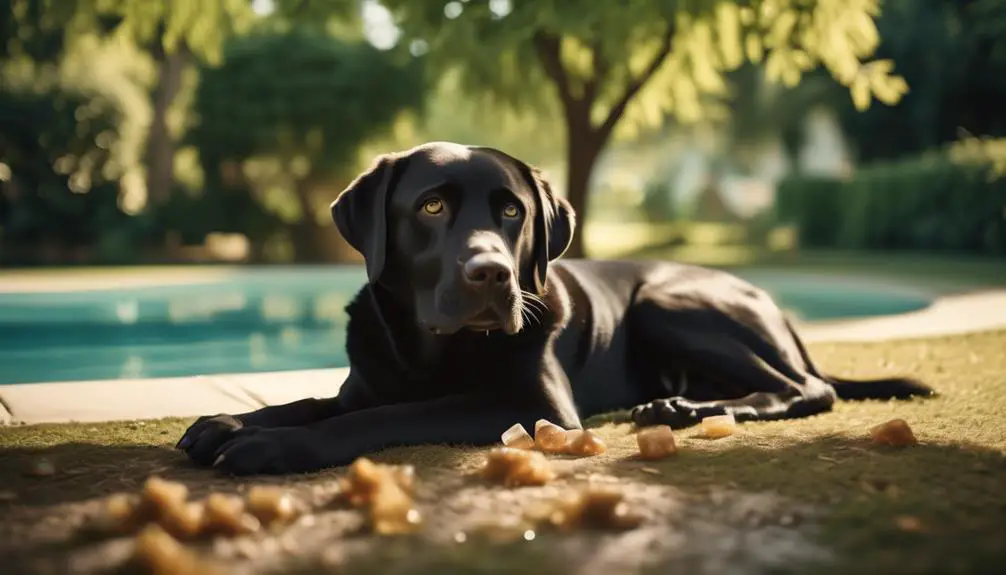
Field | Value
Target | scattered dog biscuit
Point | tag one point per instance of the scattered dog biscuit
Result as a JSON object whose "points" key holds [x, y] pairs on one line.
{"points": [[717, 426], [360, 483], [166, 504], [161, 554], [656, 442], [584, 443], [549, 437], [894, 433], [122, 513], [517, 467], [185, 520], [159, 494], [365, 478], [517, 437], [392, 511], [271, 505], [226, 515], [386, 491]]}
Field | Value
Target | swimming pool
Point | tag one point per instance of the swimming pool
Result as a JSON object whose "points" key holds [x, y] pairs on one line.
{"points": [[272, 320]]}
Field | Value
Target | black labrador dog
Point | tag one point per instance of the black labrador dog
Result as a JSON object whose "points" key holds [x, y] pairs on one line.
{"points": [[468, 325]]}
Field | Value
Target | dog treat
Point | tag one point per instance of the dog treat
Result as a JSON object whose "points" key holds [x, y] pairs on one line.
{"points": [[161, 554], [164, 503], [160, 495], [386, 490], [595, 507], [365, 477], [158, 500], [517, 467], [225, 514], [122, 513], [270, 504], [184, 521], [894, 433], [392, 511], [549, 437], [361, 482], [584, 443], [656, 442], [717, 426], [517, 437]]}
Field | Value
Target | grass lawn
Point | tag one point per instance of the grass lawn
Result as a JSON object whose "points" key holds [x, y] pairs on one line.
{"points": [[723, 245], [937, 272], [778, 497]]}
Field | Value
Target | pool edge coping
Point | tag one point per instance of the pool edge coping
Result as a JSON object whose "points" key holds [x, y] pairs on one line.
{"points": [[191, 396]]}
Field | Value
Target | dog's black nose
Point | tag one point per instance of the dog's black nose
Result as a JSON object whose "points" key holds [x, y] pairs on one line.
{"points": [[486, 270]]}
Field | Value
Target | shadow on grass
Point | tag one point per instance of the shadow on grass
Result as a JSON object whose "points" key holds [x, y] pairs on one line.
{"points": [[925, 509], [88, 470]]}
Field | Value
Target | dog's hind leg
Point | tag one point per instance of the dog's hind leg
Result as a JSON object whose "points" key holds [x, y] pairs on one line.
{"points": [[737, 343]]}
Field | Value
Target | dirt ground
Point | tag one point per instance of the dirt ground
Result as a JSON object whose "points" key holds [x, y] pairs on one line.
{"points": [[780, 497]]}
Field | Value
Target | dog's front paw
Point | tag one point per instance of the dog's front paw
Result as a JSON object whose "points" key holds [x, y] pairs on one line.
{"points": [[675, 412], [204, 437], [258, 451]]}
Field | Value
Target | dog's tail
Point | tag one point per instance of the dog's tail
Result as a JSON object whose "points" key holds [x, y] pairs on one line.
{"points": [[885, 388]]}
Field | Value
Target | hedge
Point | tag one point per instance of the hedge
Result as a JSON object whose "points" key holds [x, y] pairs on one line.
{"points": [[930, 203]]}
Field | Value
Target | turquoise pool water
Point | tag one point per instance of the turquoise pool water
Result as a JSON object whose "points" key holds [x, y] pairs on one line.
{"points": [[269, 320]]}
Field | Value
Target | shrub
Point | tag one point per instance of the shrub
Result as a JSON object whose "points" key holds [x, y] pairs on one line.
{"points": [[933, 202]]}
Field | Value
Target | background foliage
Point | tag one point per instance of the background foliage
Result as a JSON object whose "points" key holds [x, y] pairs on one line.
{"points": [[194, 118], [936, 202]]}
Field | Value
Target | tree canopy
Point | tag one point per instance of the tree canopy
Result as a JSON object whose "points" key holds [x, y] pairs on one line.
{"points": [[57, 193], [669, 53], [634, 63], [303, 102], [954, 55], [301, 95], [202, 25]]}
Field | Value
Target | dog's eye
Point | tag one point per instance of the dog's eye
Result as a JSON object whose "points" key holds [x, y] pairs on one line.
{"points": [[511, 210], [433, 206]]}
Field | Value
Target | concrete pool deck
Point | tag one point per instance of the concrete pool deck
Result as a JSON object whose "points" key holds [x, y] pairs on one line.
{"points": [[126, 399]]}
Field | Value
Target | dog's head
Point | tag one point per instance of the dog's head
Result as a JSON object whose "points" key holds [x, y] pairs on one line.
{"points": [[461, 234]]}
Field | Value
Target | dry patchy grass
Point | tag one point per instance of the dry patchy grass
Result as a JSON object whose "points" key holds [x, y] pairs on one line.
{"points": [[777, 497]]}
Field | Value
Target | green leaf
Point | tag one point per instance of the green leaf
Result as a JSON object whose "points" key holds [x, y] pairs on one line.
{"points": [[753, 48], [860, 92]]}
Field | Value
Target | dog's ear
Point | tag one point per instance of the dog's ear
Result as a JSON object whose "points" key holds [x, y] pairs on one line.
{"points": [[360, 213], [554, 224]]}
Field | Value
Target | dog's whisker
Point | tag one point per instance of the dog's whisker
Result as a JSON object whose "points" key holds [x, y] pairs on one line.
{"points": [[529, 312], [540, 308], [535, 304], [534, 315], [532, 297], [533, 301]]}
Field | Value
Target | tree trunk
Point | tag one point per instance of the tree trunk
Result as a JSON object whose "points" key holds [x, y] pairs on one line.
{"points": [[584, 139], [582, 149], [160, 147]]}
